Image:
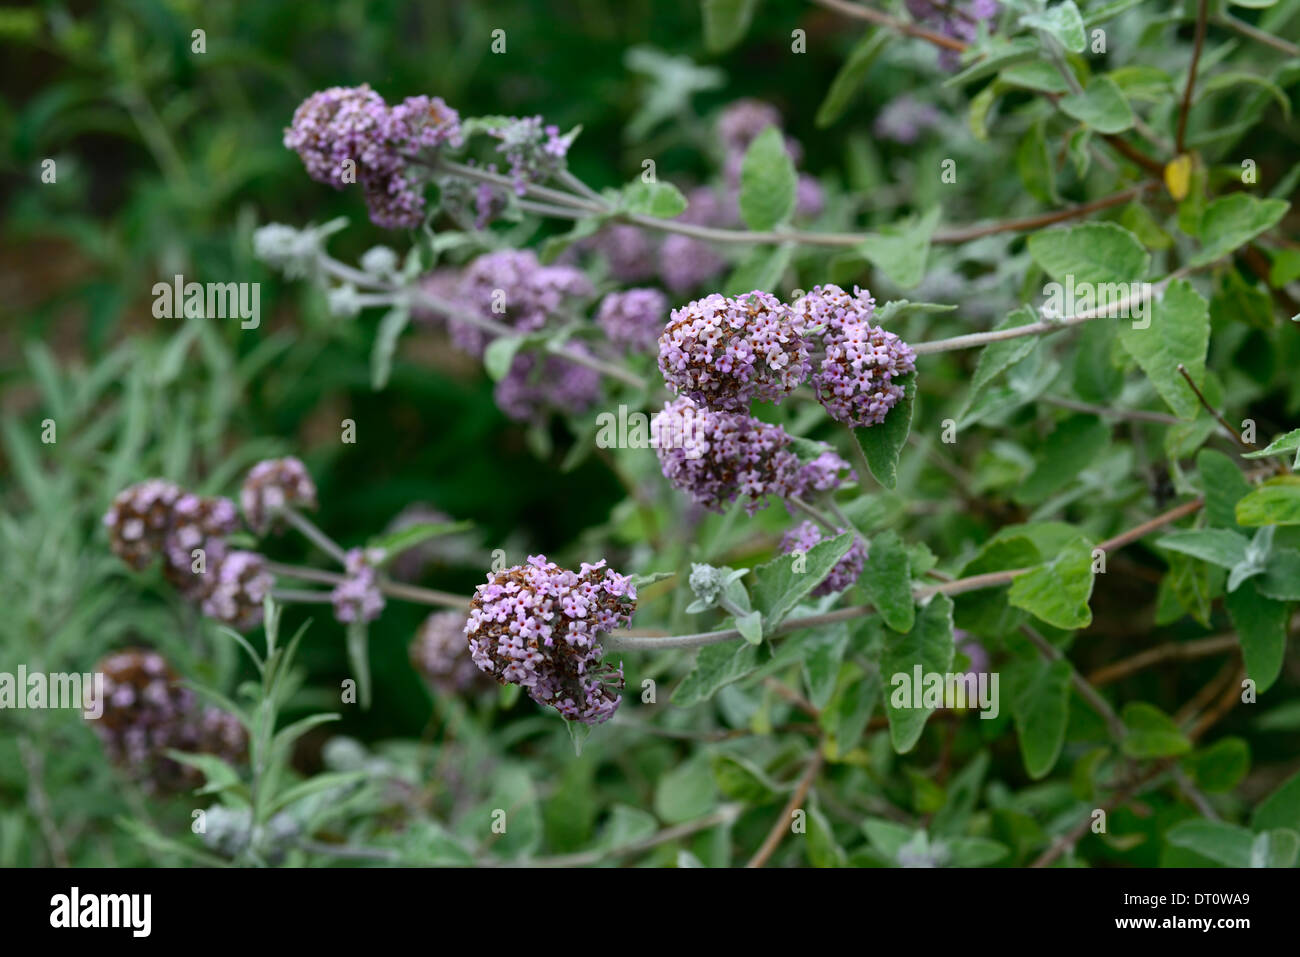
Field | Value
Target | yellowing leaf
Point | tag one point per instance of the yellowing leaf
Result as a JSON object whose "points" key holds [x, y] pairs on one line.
{"points": [[1178, 177]]}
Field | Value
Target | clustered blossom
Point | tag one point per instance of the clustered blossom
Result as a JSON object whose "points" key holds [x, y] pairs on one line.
{"points": [[633, 318], [628, 252], [441, 655], [357, 598], [538, 626], [723, 352], [741, 122], [957, 19], [534, 150], [905, 118], [856, 379], [349, 134], [719, 457], [274, 484], [536, 385], [147, 713], [156, 518], [512, 288], [805, 535], [684, 261]]}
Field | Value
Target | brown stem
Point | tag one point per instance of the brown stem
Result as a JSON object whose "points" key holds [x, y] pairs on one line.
{"points": [[860, 12], [783, 822], [1218, 416], [1171, 651], [1202, 9]]}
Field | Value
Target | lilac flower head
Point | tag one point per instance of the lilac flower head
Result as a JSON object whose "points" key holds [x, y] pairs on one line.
{"points": [[237, 583], [537, 385], [513, 288], [533, 150], [825, 473], [147, 713], [357, 597], [856, 377], [905, 118], [538, 626], [628, 251], [633, 318], [804, 536], [139, 519], [686, 262], [809, 197], [198, 530], [440, 653], [273, 484], [723, 352], [970, 646], [956, 19], [741, 122]]}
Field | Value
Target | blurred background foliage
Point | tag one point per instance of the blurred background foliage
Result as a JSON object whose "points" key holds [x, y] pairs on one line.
{"points": [[166, 162]]}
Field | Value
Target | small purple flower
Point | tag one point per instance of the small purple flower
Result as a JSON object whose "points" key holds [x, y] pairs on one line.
{"points": [[534, 150], [905, 118], [741, 121], [538, 626], [856, 376], [633, 318], [954, 19], [628, 251], [532, 389], [804, 536], [725, 352], [686, 262], [139, 519], [273, 484], [237, 583], [511, 287], [357, 597], [440, 653]]}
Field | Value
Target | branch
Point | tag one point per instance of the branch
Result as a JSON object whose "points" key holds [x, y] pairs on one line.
{"points": [[1202, 9], [1255, 33], [859, 12], [1170, 651], [783, 822]]}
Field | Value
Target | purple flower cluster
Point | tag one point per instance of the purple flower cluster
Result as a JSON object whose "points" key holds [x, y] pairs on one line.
{"points": [[349, 134], [538, 626], [633, 318], [856, 376], [627, 250], [905, 118], [741, 122], [513, 288], [719, 457], [684, 261], [357, 597], [441, 655], [538, 385], [274, 484], [534, 150], [147, 713], [156, 518], [723, 352], [805, 535], [956, 19]]}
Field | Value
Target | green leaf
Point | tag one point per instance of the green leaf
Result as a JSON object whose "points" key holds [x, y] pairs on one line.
{"points": [[767, 181], [1232, 221], [686, 792], [1102, 106], [1218, 546], [1189, 582], [555, 246], [315, 785], [358, 642], [740, 780], [1096, 253], [500, 356], [1226, 844], [976, 851], [1040, 708], [715, 667], [1281, 578], [822, 656], [1261, 625], [1283, 444], [929, 644], [750, 627], [1074, 445], [219, 775], [887, 581], [1058, 591], [1178, 333], [850, 77], [381, 355], [823, 851], [1277, 502], [1150, 733], [1230, 78], [1063, 22], [1034, 163], [658, 199], [846, 716], [882, 444], [782, 583], [1281, 808], [1223, 486], [996, 357], [900, 250], [1220, 767], [725, 22]]}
